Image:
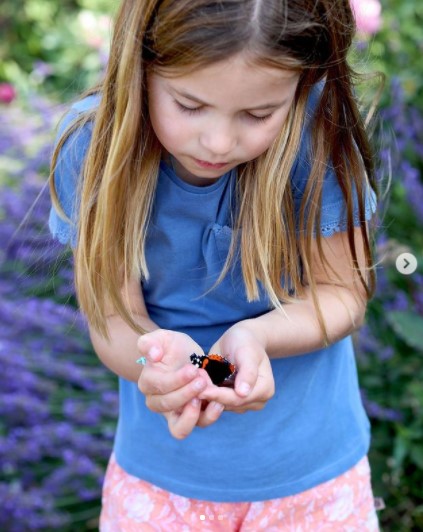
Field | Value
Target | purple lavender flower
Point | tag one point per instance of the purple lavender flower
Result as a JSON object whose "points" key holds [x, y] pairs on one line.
{"points": [[402, 142], [58, 405], [374, 410], [414, 187]]}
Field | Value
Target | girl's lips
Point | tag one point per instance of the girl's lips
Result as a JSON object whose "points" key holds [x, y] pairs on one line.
{"points": [[206, 164]]}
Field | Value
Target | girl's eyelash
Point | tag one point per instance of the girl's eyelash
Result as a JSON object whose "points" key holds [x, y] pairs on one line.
{"points": [[185, 109], [259, 118], [194, 110]]}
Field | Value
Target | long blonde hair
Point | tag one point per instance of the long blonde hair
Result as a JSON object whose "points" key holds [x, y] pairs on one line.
{"points": [[121, 167]]}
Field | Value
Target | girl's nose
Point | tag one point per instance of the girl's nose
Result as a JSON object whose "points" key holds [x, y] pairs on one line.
{"points": [[219, 140]]}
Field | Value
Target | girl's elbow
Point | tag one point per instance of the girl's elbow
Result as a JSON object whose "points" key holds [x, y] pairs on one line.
{"points": [[359, 315]]}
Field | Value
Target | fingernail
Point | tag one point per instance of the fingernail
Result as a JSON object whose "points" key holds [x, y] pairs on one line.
{"points": [[199, 384], [195, 402], [217, 406], [244, 388], [154, 353]]}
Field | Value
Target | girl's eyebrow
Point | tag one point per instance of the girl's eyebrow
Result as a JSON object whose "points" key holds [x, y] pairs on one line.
{"points": [[254, 108]]}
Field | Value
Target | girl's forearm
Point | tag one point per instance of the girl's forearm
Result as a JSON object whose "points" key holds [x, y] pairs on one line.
{"points": [[294, 331], [297, 331], [119, 354]]}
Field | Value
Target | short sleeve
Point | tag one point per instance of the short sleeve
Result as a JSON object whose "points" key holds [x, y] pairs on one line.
{"points": [[333, 210], [67, 175]]}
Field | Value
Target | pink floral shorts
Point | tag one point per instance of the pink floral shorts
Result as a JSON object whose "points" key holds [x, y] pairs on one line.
{"points": [[344, 504]]}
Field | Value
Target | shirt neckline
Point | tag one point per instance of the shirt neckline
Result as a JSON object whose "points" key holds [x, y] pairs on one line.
{"points": [[195, 189]]}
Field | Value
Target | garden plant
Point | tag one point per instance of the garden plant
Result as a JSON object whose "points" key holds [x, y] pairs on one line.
{"points": [[58, 404]]}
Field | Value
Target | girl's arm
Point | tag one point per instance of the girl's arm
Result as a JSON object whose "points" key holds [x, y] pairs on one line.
{"points": [[171, 385], [120, 353], [295, 330]]}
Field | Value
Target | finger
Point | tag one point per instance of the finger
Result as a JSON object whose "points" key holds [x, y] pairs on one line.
{"points": [[215, 348], [176, 399], [248, 367], [255, 406], [153, 380], [211, 414], [262, 392], [152, 345], [225, 396], [181, 426]]}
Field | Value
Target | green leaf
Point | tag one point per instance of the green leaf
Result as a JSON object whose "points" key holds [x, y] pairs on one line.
{"points": [[408, 326], [416, 453], [400, 451]]}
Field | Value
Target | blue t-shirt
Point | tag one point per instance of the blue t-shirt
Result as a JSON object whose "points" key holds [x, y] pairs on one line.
{"points": [[312, 430]]}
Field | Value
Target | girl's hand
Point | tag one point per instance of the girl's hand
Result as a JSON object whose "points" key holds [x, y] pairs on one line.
{"points": [[171, 384], [254, 383]]}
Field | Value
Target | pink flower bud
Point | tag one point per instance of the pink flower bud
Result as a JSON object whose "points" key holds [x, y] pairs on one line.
{"points": [[7, 93], [367, 15]]}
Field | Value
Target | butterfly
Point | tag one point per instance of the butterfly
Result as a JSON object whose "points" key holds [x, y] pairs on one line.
{"points": [[220, 370]]}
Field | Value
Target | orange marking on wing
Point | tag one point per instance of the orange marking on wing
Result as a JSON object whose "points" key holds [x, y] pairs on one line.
{"points": [[219, 358]]}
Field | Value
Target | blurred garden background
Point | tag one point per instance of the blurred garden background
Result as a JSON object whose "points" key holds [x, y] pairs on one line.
{"points": [[58, 405]]}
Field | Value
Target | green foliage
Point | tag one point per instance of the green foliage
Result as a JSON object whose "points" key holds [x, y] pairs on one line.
{"points": [[408, 327], [52, 46], [60, 48], [391, 371], [397, 49]]}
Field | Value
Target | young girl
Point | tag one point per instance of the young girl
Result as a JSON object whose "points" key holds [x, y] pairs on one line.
{"points": [[216, 189]]}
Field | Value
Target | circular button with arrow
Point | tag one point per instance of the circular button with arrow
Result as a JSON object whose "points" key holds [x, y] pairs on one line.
{"points": [[406, 263]]}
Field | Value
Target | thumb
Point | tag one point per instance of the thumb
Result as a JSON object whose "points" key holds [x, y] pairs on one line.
{"points": [[216, 349], [247, 363], [151, 345]]}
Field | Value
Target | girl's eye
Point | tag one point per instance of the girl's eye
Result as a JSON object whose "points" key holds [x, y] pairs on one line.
{"points": [[195, 110], [188, 110], [258, 118]]}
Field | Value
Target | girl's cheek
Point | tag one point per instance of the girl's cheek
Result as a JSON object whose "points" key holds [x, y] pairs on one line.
{"points": [[259, 145]]}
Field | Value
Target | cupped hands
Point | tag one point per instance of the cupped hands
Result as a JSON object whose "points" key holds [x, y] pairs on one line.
{"points": [[185, 395]]}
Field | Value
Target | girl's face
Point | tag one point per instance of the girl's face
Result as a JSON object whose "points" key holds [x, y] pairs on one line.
{"points": [[220, 116]]}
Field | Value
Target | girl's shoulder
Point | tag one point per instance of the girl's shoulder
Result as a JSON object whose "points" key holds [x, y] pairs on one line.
{"points": [[313, 101], [72, 141], [76, 136], [75, 112], [303, 160], [89, 103], [74, 131]]}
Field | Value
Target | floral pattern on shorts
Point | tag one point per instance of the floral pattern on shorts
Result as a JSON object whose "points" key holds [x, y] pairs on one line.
{"points": [[344, 504]]}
